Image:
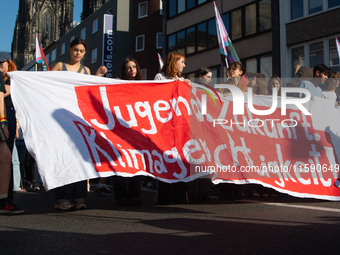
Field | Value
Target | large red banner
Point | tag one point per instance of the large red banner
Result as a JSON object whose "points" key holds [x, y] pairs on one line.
{"points": [[160, 129]]}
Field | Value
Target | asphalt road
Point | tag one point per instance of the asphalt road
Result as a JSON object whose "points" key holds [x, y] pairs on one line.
{"points": [[260, 225]]}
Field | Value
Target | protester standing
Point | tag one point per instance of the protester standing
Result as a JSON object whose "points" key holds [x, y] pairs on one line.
{"points": [[234, 74], [128, 195], [320, 75], [174, 193], [172, 68], [332, 83], [6, 205], [274, 82], [8, 66], [73, 195], [203, 76]]}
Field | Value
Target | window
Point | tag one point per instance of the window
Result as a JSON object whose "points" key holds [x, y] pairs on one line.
{"points": [[315, 54], [298, 57], [314, 6], [94, 26], [261, 64], [296, 8], [180, 6], [190, 4], [62, 49], [94, 55], [72, 38], [159, 41], [212, 34], [250, 19], [140, 43], [333, 56], [181, 42], [53, 55], [142, 10], [176, 7], [83, 33], [266, 66], [333, 3], [251, 65], [312, 53], [48, 58], [265, 13], [161, 7], [172, 43], [144, 73], [202, 36], [236, 24], [191, 40], [304, 8]]}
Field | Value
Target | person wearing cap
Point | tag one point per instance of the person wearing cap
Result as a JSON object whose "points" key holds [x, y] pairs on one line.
{"points": [[7, 65]]}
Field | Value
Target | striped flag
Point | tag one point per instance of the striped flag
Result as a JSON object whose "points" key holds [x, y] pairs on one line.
{"points": [[227, 50], [160, 60], [337, 46], [39, 55]]}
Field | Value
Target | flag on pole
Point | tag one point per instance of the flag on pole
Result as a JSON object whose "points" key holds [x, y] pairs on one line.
{"points": [[227, 50], [39, 55], [337, 46], [160, 60]]}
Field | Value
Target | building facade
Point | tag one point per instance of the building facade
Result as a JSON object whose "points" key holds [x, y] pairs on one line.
{"points": [[91, 6], [307, 30], [191, 30], [51, 19], [148, 35]]}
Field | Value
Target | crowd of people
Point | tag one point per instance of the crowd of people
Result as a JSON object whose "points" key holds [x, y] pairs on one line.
{"points": [[127, 191]]}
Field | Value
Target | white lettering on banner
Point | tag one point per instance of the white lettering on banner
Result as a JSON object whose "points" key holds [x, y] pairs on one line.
{"points": [[282, 170], [95, 144], [143, 109]]}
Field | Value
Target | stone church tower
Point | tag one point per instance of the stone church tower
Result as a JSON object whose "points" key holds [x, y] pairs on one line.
{"points": [[90, 6], [51, 19]]}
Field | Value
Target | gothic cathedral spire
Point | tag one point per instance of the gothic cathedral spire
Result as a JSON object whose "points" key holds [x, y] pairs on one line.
{"points": [[51, 19]]}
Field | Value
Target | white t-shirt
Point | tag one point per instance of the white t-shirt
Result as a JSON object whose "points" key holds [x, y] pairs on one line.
{"points": [[330, 95]]}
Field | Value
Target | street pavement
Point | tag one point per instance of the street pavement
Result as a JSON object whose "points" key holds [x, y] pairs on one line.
{"points": [[257, 225]]}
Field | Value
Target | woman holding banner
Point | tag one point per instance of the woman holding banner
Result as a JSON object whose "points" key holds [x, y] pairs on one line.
{"points": [[174, 193], [73, 195], [172, 68], [130, 70]]}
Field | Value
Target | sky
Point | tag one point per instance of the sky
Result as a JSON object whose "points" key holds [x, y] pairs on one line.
{"points": [[8, 14]]}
